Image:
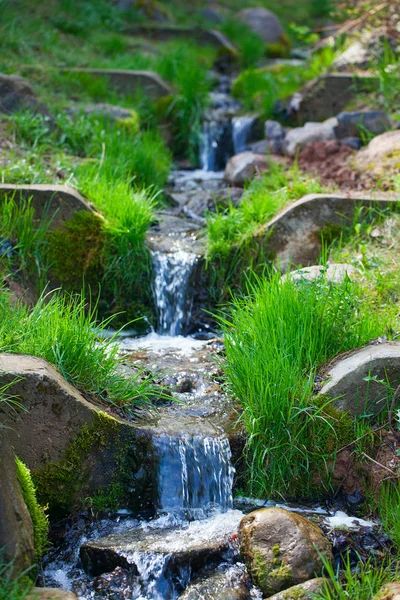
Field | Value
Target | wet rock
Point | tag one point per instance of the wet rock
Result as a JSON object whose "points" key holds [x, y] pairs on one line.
{"points": [[311, 132], [130, 82], [264, 23], [382, 155], [303, 591], [281, 548], [59, 203], [390, 591], [16, 529], [16, 94], [50, 594], [352, 124], [244, 166], [346, 379], [226, 583], [117, 585], [334, 273], [274, 130], [328, 95]]}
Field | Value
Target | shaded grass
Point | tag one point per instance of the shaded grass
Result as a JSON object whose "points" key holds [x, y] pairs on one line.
{"points": [[13, 587], [64, 331], [275, 339]]}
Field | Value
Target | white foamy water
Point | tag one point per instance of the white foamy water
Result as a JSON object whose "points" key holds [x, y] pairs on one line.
{"points": [[160, 343]]}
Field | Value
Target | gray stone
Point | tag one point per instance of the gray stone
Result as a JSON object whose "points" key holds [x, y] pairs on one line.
{"points": [[50, 594], [294, 235], [130, 82], [274, 130], [282, 549], [16, 529], [346, 378], [244, 166], [352, 142], [352, 124], [334, 273], [227, 583], [212, 15], [311, 132], [109, 111], [264, 23], [328, 95], [16, 94], [303, 591], [58, 203]]}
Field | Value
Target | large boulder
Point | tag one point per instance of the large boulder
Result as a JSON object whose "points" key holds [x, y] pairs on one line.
{"points": [[303, 591], [311, 132], [281, 549], [244, 166], [382, 155], [16, 529], [264, 23], [352, 124], [73, 449], [349, 379], [390, 591], [50, 594], [57, 203], [16, 94]]}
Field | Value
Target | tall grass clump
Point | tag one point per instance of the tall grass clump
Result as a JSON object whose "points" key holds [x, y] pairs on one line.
{"points": [[64, 331], [13, 586], [251, 47], [233, 251], [275, 339]]}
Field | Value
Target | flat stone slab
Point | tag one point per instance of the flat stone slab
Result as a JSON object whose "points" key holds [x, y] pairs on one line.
{"points": [[346, 378], [130, 82], [294, 235], [58, 203]]}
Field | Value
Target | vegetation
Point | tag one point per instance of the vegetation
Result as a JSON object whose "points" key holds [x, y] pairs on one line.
{"points": [[275, 339], [12, 587], [37, 513], [65, 332]]}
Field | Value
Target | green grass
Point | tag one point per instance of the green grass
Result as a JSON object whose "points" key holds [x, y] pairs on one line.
{"points": [[39, 518], [232, 251], [13, 587], [64, 331], [275, 339]]}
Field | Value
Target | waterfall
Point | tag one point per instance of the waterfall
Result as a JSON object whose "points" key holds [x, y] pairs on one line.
{"points": [[171, 281], [194, 472], [216, 144], [241, 132]]}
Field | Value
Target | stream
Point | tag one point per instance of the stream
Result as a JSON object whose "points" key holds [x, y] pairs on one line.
{"points": [[188, 549]]}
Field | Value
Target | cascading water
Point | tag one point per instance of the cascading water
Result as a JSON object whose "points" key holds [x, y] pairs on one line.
{"points": [[241, 131], [194, 472], [171, 280]]}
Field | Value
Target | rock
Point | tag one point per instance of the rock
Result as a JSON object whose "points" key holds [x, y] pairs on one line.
{"points": [[227, 583], [328, 95], [109, 111], [346, 378], [264, 23], [294, 235], [352, 142], [303, 591], [211, 15], [120, 584], [244, 166], [390, 591], [72, 448], [50, 594], [356, 56], [353, 124], [261, 147], [274, 130], [16, 529], [311, 132], [382, 155], [334, 273], [130, 82], [281, 548], [59, 203], [16, 94]]}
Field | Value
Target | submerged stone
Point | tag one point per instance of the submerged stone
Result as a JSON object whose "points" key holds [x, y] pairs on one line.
{"points": [[281, 548], [225, 583]]}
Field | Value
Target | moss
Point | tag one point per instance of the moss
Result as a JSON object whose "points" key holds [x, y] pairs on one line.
{"points": [[76, 251], [265, 572], [37, 513], [281, 49], [132, 125], [298, 594], [61, 483]]}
